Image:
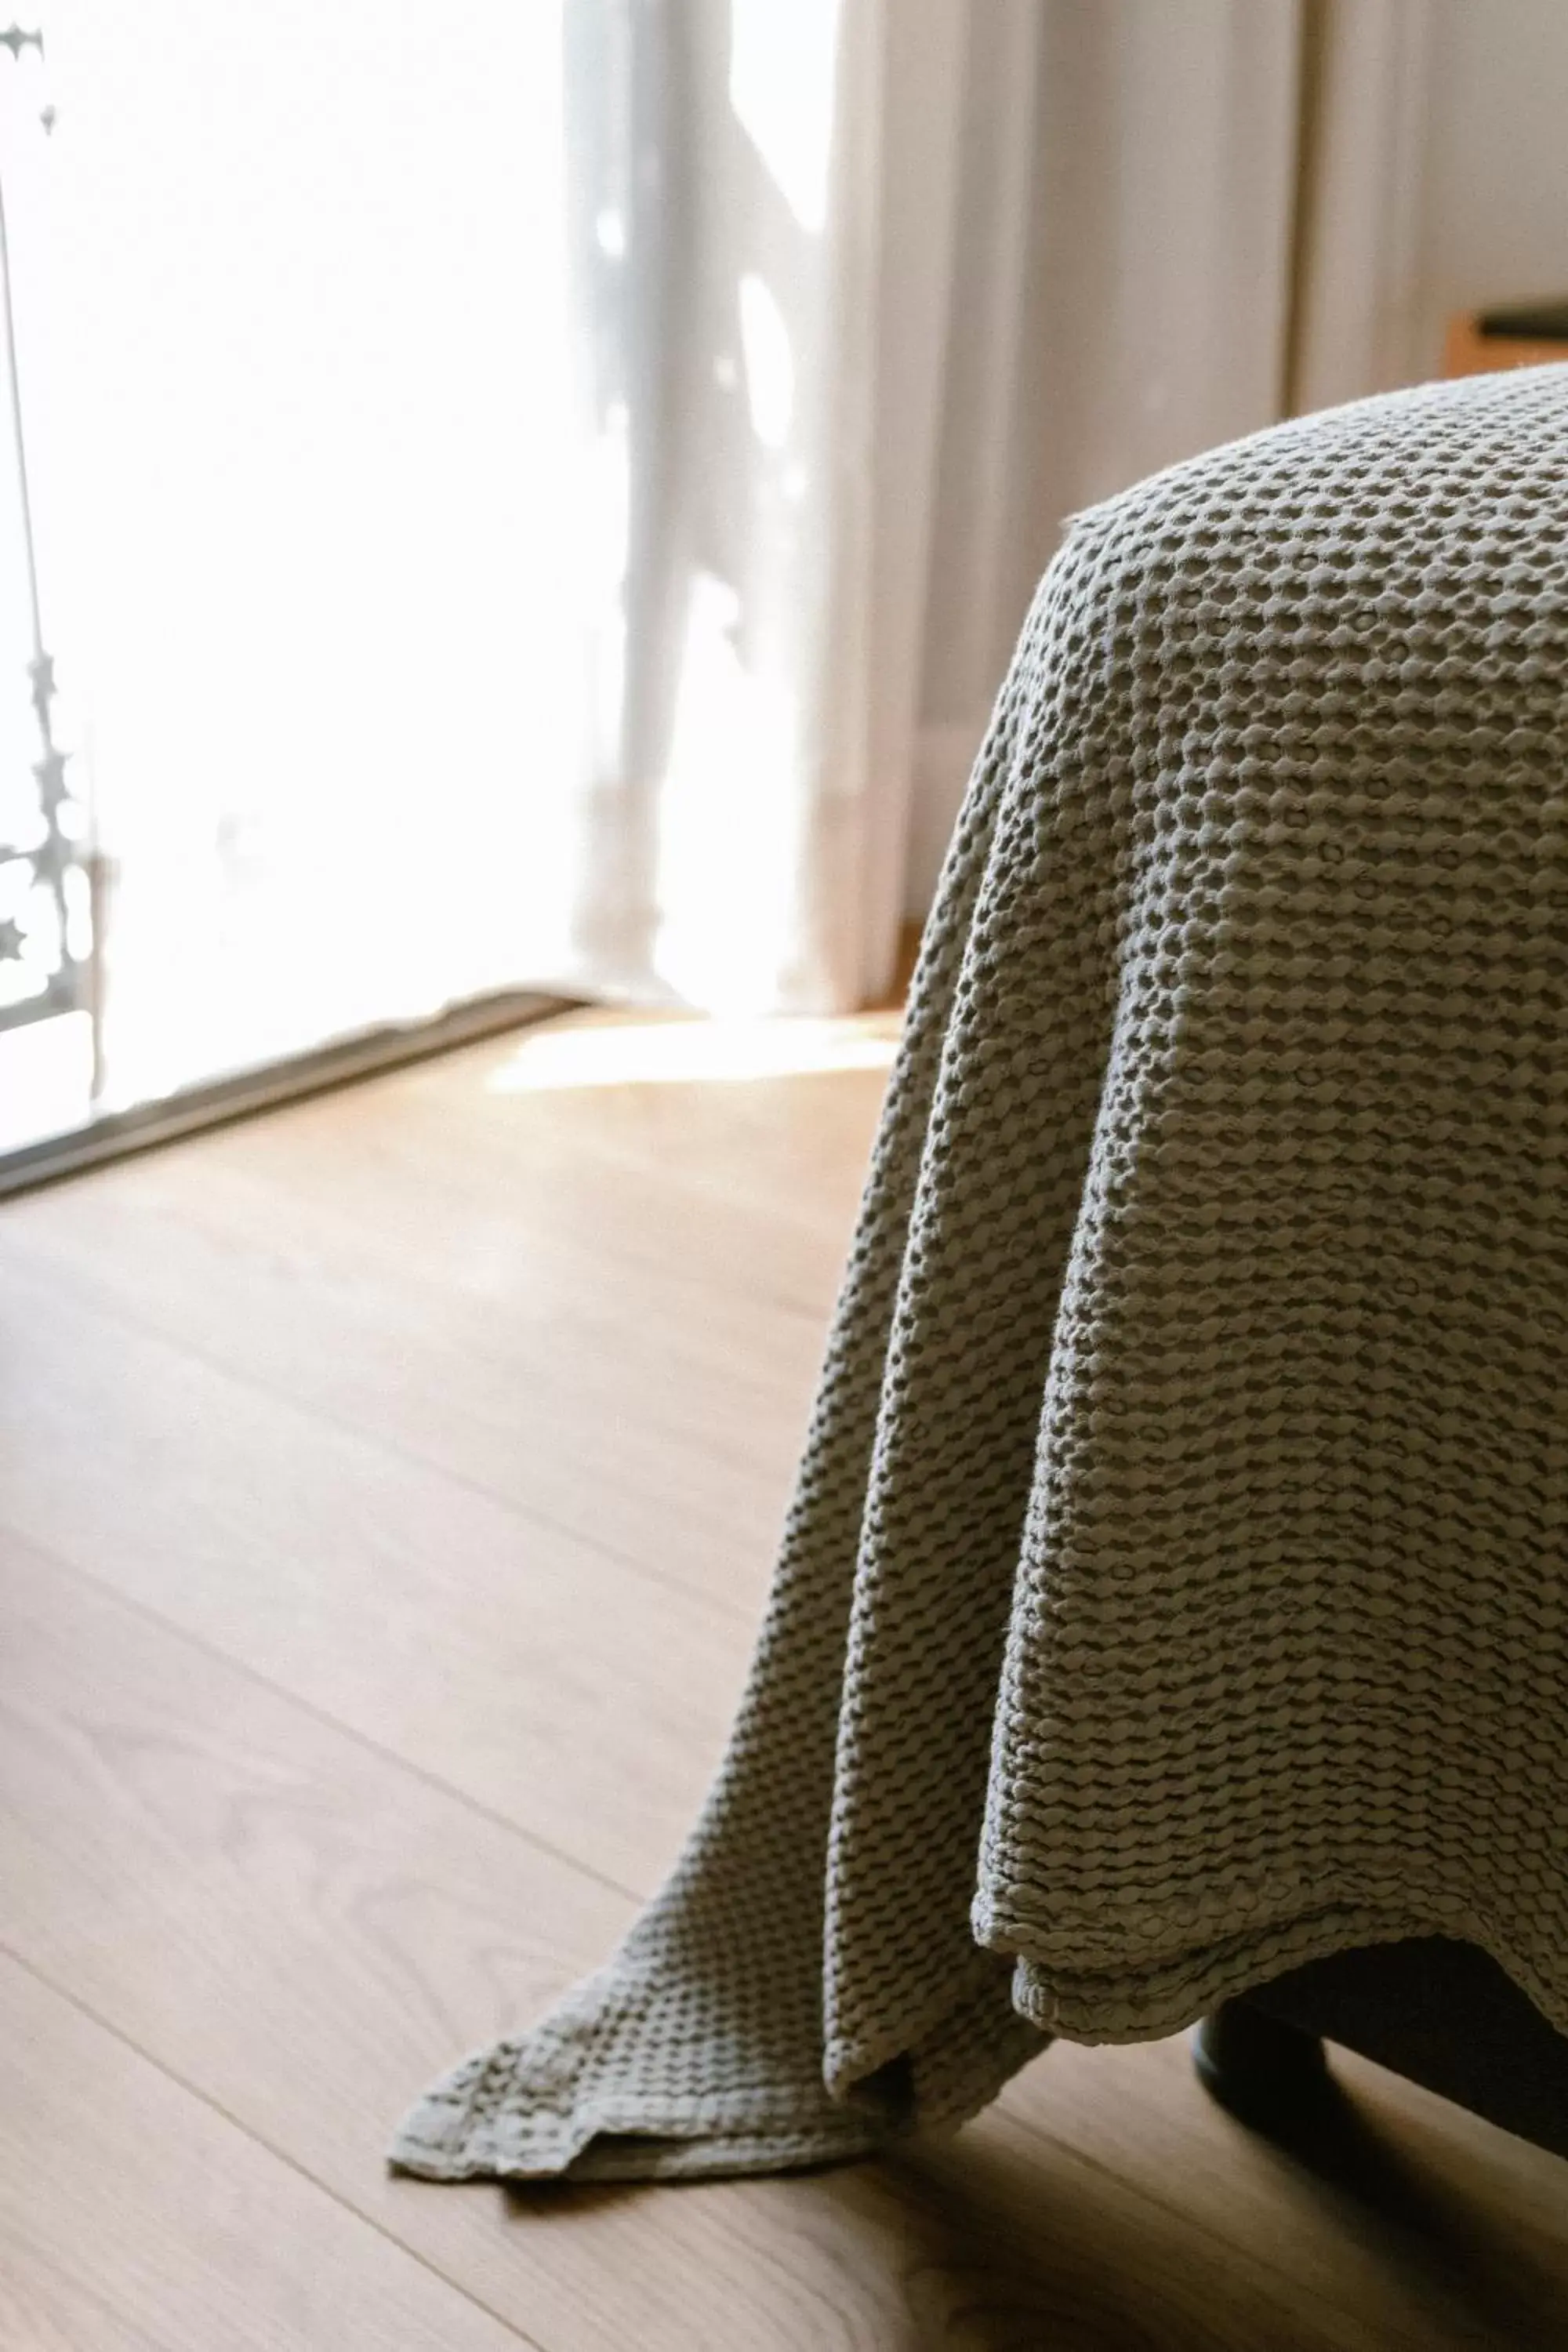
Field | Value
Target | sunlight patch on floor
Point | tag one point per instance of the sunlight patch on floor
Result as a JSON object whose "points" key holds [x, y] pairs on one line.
{"points": [[641, 1050]]}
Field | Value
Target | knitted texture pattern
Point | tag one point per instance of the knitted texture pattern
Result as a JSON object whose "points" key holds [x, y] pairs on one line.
{"points": [[1176, 1588]]}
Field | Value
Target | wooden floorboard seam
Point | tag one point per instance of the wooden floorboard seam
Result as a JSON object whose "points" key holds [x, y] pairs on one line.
{"points": [[1230, 2243], [232, 1663], [280, 2156], [103, 1302]]}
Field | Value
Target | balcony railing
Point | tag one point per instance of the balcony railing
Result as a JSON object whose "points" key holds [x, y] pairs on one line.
{"points": [[46, 911]]}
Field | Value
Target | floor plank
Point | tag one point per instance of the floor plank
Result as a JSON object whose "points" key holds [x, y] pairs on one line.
{"points": [[292, 1922], [133, 2218], [626, 1363], [544, 1678], [390, 1484], [1436, 2228], [224, 1878], [592, 1399], [726, 1188]]}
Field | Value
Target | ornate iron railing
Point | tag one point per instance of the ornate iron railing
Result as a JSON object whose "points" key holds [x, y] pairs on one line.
{"points": [[46, 966]]}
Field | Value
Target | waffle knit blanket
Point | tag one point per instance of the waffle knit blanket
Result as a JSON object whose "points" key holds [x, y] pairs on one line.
{"points": [[1176, 1587]]}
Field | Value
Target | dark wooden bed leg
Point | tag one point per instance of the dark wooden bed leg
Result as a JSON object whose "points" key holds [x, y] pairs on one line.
{"points": [[1266, 2074]]}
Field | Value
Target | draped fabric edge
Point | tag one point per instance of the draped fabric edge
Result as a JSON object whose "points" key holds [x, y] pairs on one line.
{"points": [[868, 2094]]}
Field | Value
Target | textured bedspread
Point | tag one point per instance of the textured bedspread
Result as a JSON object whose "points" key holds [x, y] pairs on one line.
{"points": [[1176, 1587]]}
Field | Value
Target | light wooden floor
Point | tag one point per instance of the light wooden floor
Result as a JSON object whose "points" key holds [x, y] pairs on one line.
{"points": [[388, 1493]]}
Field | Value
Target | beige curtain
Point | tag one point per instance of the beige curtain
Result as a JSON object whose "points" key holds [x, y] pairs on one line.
{"points": [[1175, 223], [1355, 319]]}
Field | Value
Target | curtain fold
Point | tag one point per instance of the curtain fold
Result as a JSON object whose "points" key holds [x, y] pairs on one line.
{"points": [[764, 339], [1207, 224], [1354, 262], [906, 286]]}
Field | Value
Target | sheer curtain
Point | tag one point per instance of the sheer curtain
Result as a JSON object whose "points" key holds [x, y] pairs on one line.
{"points": [[889, 289], [543, 497], [772, 195], [317, 511]]}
